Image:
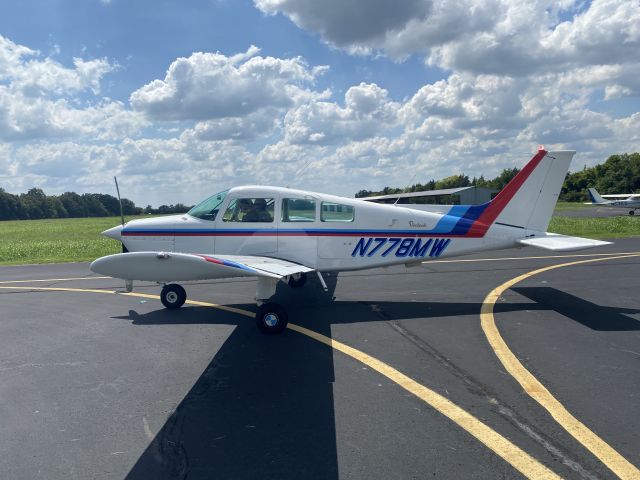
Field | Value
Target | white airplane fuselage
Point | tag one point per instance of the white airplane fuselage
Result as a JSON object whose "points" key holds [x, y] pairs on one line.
{"points": [[278, 234], [377, 235], [629, 203]]}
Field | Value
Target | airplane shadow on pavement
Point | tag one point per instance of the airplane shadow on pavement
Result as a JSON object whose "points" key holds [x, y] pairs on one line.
{"points": [[591, 315], [264, 407]]}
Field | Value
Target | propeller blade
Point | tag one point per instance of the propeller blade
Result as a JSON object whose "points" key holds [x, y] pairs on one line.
{"points": [[124, 249], [119, 200]]}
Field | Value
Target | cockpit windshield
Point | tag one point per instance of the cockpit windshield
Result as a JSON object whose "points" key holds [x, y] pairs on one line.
{"points": [[208, 209]]}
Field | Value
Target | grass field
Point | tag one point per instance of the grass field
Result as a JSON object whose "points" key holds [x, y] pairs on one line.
{"points": [[597, 228], [56, 241], [79, 239]]}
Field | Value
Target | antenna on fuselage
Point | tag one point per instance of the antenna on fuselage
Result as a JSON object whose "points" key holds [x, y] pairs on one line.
{"points": [[410, 182], [304, 167]]}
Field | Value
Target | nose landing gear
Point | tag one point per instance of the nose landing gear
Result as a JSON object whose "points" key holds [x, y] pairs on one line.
{"points": [[173, 296]]}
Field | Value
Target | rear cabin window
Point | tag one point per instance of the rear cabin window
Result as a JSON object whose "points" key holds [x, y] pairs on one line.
{"points": [[258, 210], [298, 210], [336, 212]]}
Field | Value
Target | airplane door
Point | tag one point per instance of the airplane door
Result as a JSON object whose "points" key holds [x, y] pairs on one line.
{"points": [[339, 222], [248, 227], [299, 222]]}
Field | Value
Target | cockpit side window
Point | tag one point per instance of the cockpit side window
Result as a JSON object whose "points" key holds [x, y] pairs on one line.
{"points": [[336, 212], [298, 210], [208, 209], [258, 210]]}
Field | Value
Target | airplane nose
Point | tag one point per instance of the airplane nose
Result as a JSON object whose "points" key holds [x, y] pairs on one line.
{"points": [[114, 233]]}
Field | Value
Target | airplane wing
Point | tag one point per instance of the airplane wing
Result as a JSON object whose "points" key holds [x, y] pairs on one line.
{"points": [[562, 243], [174, 267]]}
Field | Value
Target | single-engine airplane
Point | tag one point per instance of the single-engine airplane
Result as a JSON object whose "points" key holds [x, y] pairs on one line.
{"points": [[280, 234], [630, 200]]}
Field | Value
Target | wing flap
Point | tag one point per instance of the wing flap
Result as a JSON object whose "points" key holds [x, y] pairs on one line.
{"points": [[166, 267], [562, 243], [275, 266]]}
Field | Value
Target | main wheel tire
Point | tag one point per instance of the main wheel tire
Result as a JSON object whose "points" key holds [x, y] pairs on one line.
{"points": [[271, 318], [173, 296], [298, 282], [632, 212]]}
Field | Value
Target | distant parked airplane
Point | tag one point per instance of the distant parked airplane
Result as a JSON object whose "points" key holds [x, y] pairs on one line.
{"points": [[630, 200], [280, 234]]}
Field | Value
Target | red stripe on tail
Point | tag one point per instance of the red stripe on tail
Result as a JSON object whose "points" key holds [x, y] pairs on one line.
{"points": [[482, 224]]}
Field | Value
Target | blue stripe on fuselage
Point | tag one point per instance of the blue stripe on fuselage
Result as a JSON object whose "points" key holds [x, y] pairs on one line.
{"points": [[447, 223], [469, 218]]}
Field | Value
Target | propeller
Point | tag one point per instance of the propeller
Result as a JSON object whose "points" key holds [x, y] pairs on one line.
{"points": [[124, 249]]}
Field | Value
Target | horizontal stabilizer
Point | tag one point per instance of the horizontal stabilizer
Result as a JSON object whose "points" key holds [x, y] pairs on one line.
{"points": [[562, 243]]}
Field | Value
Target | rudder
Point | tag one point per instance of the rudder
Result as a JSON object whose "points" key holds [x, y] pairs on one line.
{"points": [[529, 199]]}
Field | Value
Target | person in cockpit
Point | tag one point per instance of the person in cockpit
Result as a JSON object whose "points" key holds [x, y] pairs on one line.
{"points": [[258, 212]]}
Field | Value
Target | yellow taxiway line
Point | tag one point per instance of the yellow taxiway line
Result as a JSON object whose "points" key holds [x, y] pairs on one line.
{"points": [[68, 279], [504, 448], [532, 386]]}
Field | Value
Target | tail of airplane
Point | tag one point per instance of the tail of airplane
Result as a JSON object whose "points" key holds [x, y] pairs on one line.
{"points": [[595, 196], [526, 202], [529, 199]]}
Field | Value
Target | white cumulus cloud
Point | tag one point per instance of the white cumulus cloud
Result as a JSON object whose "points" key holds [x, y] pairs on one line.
{"points": [[209, 86], [367, 111]]}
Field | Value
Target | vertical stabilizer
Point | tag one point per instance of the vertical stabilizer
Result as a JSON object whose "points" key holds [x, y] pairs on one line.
{"points": [[595, 196], [532, 206], [529, 199]]}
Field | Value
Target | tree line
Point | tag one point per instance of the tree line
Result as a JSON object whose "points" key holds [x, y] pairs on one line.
{"points": [[35, 204], [618, 174]]}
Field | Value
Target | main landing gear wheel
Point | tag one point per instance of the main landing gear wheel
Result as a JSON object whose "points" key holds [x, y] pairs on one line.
{"points": [[271, 318], [173, 296], [298, 280]]}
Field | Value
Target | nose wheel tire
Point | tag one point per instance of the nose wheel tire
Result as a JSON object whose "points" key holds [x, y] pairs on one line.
{"points": [[271, 318], [173, 296]]}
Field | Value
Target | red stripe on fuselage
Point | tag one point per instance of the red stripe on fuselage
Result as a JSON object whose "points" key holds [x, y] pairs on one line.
{"points": [[486, 219], [212, 260]]}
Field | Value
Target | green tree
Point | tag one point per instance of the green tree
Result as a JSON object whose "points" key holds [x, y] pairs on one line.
{"points": [[10, 206], [55, 208], [35, 204], [94, 206], [74, 205]]}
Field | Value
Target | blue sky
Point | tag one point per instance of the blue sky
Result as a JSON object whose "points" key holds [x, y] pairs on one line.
{"points": [[370, 92], [144, 37]]}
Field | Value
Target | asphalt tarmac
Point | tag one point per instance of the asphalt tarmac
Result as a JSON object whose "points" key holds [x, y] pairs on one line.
{"points": [[107, 386]]}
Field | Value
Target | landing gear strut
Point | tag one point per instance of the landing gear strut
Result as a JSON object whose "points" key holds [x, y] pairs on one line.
{"points": [[173, 296], [271, 317], [297, 280]]}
